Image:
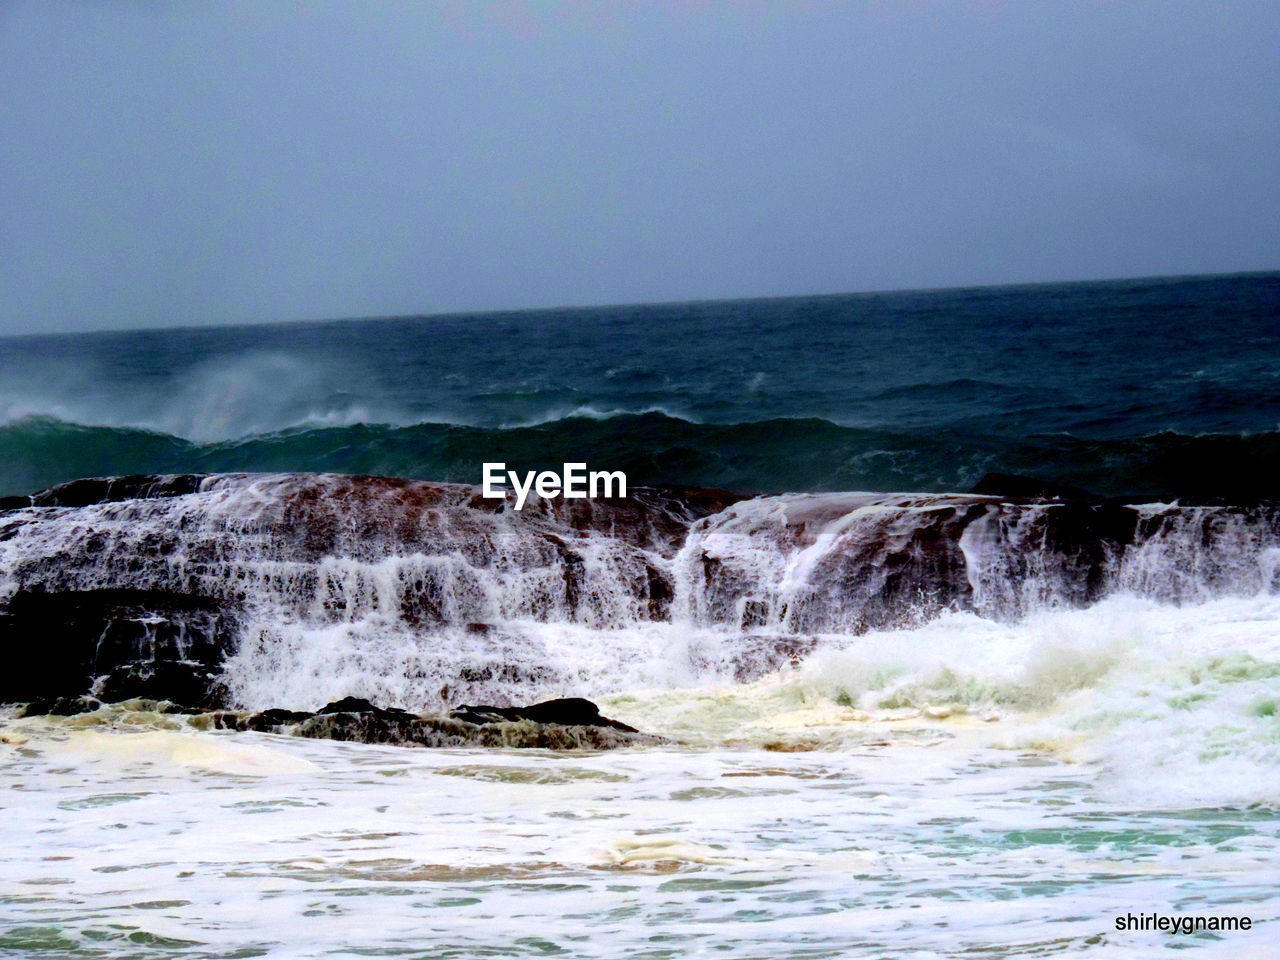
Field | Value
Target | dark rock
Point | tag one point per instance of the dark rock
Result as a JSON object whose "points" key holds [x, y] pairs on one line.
{"points": [[140, 583], [178, 681], [151, 643], [82, 493], [359, 705], [359, 721], [879, 573], [570, 711], [557, 725], [454, 732], [277, 716], [14, 503], [158, 569], [73, 706], [61, 707], [348, 705], [365, 726], [661, 590]]}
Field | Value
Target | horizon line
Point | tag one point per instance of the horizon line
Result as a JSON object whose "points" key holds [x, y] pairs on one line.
{"points": [[570, 307]]}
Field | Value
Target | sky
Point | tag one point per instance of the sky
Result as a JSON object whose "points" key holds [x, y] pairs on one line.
{"points": [[169, 164]]}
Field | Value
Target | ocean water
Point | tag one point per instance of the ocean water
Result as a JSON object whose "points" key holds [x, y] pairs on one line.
{"points": [[1151, 387], [999, 778]]}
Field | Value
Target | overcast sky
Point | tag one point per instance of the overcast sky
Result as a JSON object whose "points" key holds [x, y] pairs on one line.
{"points": [[171, 163]]}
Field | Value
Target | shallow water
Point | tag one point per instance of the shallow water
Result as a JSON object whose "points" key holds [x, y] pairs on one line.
{"points": [[964, 788]]}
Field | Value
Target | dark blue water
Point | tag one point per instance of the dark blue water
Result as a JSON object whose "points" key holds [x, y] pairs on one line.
{"points": [[1164, 387]]}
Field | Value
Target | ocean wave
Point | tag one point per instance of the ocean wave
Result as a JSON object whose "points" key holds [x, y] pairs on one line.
{"points": [[965, 388], [1166, 703], [585, 411], [768, 455]]}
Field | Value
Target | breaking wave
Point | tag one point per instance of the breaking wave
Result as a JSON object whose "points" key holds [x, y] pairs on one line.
{"points": [[768, 455]]}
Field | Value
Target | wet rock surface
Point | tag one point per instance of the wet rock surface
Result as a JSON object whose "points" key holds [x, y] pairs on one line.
{"points": [[142, 586], [150, 586], [115, 643], [568, 711], [571, 724]]}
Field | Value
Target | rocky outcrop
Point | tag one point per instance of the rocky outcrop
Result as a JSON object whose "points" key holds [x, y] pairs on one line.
{"points": [[140, 586], [570, 724], [82, 493], [565, 711], [212, 590], [114, 642], [853, 562], [565, 724]]}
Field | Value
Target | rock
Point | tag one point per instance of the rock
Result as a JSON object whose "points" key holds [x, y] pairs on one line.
{"points": [[144, 585], [267, 721], [900, 558], [556, 724], [61, 707], [178, 681], [74, 706], [82, 493], [159, 644], [453, 732], [366, 726], [110, 574], [571, 711], [573, 724], [358, 705]]}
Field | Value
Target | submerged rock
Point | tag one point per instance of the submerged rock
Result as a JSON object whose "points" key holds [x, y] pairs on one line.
{"points": [[429, 731], [571, 711], [78, 706], [754, 656], [566, 724], [572, 724], [61, 707]]}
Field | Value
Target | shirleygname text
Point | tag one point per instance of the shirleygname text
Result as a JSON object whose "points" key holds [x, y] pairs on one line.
{"points": [[1180, 924]]}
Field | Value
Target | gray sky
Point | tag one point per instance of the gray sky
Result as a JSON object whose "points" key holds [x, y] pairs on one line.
{"points": [[176, 163]]}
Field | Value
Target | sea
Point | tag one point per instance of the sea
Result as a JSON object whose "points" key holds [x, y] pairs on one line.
{"points": [[1000, 780]]}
